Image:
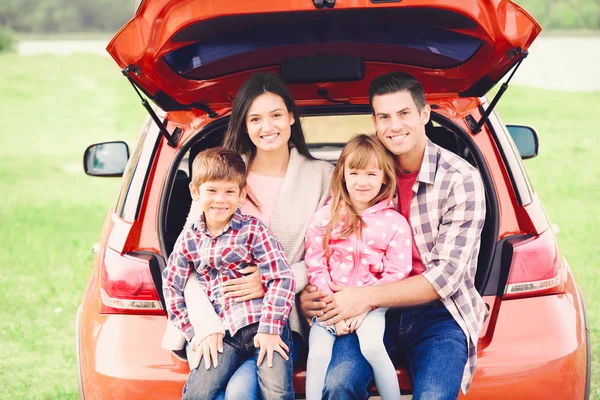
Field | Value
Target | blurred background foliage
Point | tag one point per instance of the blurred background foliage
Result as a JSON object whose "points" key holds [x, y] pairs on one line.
{"points": [[62, 16]]}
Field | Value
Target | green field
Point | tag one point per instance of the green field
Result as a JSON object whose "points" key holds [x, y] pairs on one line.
{"points": [[52, 107]]}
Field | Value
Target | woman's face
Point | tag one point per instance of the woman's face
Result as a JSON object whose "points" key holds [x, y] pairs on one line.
{"points": [[269, 123]]}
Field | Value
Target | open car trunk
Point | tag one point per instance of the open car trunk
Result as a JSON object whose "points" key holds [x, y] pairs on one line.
{"points": [[195, 54]]}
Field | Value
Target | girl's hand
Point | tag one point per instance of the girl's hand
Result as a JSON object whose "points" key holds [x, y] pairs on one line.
{"points": [[341, 328], [208, 349], [245, 288], [354, 322], [268, 344], [311, 304]]}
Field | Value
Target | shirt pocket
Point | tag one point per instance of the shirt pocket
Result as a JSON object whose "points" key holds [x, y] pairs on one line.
{"points": [[236, 257]]}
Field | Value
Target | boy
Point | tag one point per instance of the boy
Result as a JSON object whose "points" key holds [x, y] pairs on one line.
{"points": [[217, 246]]}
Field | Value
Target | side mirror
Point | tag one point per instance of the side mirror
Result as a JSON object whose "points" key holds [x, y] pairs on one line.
{"points": [[526, 139], [106, 159]]}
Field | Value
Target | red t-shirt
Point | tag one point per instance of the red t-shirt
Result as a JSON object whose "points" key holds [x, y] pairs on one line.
{"points": [[405, 194]]}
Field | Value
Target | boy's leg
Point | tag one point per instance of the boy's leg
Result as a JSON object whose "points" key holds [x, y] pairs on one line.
{"points": [[435, 349], [210, 383], [349, 373], [276, 382], [370, 336], [320, 346]]}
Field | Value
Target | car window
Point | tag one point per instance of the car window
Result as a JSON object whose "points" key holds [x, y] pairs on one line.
{"points": [[134, 177]]}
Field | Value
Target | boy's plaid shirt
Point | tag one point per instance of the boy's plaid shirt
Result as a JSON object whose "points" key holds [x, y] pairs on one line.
{"points": [[447, 213], [244, 241]]}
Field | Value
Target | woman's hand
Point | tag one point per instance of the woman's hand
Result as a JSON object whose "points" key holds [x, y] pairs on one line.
{"points": [[208, 349], [311, 304], [245, 288]]}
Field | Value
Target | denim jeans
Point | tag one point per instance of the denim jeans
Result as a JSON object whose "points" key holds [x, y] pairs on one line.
{"points": [[273, 382], [426, 339]]}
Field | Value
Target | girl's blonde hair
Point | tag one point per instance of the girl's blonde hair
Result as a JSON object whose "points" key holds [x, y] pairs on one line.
{"points": [[357, 154]]}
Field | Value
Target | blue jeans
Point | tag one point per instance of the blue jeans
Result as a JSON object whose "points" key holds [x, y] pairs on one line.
{"points": [[425, 339], [239, 359]]}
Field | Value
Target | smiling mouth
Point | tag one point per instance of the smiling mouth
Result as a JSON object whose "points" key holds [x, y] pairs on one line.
{"points": [[270, 137], [398, 138], [219, 209]]}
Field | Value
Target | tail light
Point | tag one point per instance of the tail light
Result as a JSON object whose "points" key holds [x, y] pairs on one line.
{"points": [[536, 267], [127, 285]]}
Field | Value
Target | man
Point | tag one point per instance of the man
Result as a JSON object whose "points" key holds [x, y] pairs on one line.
{"points": [[439, 313]]}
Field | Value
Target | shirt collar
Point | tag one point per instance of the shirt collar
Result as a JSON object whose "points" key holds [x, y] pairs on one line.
{"points": [[429, 163]]}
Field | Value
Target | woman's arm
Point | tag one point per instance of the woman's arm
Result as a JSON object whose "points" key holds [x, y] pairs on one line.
{"points": [[201, 312]]}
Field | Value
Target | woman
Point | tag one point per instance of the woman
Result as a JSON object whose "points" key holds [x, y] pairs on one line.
{"points": [[286, 186]]}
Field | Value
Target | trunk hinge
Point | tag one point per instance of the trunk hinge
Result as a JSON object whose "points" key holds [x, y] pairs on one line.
{"points": [[324, 3], [171, 139], [476, 126]]}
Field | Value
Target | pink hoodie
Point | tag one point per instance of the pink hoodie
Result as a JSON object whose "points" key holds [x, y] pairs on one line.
{"points": [[382, 256]]}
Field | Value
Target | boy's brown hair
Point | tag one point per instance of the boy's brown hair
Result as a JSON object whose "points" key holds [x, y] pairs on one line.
{"points": [[218, 164]]}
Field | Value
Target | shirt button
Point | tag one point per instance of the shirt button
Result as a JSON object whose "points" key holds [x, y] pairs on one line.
{"points": [[226, 308], [210, 260], [214, 241]]}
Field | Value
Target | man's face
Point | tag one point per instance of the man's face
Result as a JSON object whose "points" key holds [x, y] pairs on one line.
{"points": [[399, 124]]}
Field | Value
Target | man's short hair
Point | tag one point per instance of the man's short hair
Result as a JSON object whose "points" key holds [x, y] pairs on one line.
{"points": [[397, 82], [218, 164]]}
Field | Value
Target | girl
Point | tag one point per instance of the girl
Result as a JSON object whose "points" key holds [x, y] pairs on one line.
{"points": [[358, 239], [287, 186]]}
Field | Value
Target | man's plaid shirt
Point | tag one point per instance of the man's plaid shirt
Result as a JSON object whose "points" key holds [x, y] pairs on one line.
{"points": [[447, 214], [244, 241]]}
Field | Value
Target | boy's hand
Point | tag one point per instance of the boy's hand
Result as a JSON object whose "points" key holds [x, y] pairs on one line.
{"points": [[341, 328], [208, 349], [354, 322], [245, 288], [267, 344]]}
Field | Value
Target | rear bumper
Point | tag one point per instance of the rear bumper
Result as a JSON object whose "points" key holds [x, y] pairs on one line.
{"points": [[538, 350]]}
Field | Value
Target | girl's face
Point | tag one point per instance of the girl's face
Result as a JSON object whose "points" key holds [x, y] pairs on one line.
{"points": [[269, 123], [363, 185]]}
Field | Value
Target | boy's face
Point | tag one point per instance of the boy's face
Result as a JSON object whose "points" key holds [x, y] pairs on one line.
{"points": [[219, 201]]}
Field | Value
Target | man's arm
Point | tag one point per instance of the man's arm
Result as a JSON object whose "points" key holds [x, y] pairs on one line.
{"points": [[458, 236]]}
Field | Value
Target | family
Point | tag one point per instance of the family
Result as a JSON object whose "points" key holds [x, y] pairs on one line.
{"points": [[383, 245]]}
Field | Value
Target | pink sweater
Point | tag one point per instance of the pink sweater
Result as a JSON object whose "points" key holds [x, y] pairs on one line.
{"points": [[382, 256]]}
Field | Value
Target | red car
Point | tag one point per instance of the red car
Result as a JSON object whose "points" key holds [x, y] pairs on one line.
{"points": [[191, 56]]}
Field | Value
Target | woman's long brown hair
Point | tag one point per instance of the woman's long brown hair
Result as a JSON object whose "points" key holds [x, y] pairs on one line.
{"points": [[357, 154]]}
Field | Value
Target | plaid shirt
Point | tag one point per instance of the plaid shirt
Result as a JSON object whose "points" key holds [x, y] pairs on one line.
{"points": [[447, 214], [244, 241]]}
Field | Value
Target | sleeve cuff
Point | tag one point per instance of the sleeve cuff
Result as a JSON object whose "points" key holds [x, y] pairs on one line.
{"points": [[271, 326]]}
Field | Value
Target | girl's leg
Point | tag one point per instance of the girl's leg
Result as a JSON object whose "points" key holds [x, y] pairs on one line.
{"points": [[370, 336], [320, 346]]}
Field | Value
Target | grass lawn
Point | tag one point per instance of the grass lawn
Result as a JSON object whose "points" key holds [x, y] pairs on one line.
{"points": [[51, 213]]}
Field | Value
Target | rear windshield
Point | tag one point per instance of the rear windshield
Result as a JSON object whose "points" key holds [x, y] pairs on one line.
{"points": [[374, 37]]}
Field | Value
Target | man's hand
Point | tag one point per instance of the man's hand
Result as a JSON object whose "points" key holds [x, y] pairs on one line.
{"points": [[347, 302], [354, 322], [341, 328], [311, 304], [208, 349], [267, 344], [245, 288]]}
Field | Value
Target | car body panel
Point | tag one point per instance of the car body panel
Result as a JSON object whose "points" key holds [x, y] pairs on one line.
{"points": [[159, 28]]}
